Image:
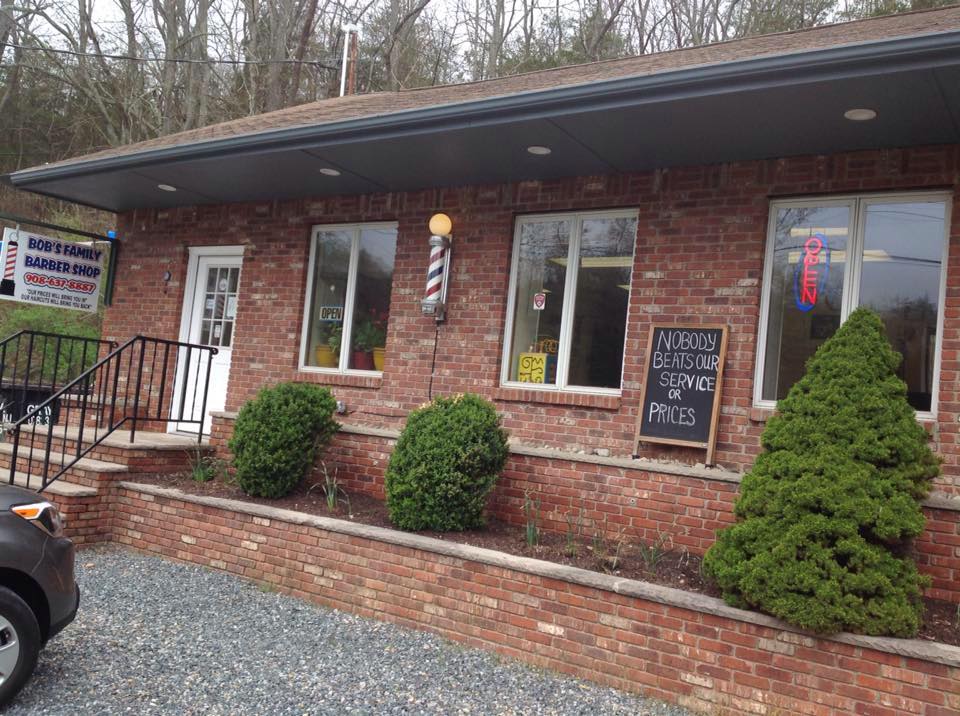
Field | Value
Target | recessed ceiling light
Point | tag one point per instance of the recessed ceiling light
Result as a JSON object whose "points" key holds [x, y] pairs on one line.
{"points": [[861, 114], [166, 187], [330, 172], [539, 150]]}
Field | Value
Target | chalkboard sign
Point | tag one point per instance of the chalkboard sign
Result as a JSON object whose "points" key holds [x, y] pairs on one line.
{"points": [[681, 387]]}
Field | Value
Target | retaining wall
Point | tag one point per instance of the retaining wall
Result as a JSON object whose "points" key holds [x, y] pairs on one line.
{"points": [[669, 644]]}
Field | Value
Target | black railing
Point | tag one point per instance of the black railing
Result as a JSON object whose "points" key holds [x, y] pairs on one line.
{"points": [[35, 364], [146, 380]]}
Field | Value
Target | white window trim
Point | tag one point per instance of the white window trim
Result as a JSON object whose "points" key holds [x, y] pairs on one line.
{"points": [[348, 301], [565, 338], [851, 277]]}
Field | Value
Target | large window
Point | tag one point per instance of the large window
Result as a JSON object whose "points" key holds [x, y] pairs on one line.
{"points": [[827, 257], [348, 297], [569, 295]]}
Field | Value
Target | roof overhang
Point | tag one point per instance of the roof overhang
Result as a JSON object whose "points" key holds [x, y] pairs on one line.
{"points": [[776, 106]]}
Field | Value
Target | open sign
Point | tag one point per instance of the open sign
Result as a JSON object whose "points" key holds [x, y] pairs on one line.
{"points": [[331, 313]]}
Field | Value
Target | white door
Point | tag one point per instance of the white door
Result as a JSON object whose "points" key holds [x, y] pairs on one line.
{"points": [[209, 318]]}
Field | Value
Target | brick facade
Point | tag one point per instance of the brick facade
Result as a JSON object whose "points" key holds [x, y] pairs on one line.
{"points": [[698, 653], [699, 259]]}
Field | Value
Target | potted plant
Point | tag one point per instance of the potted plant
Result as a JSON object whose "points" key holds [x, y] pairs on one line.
{"points": [[327, 351], [369, 338]]}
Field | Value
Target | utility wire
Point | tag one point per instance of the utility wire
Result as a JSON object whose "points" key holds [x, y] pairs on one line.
{"points": [[174, 60]]}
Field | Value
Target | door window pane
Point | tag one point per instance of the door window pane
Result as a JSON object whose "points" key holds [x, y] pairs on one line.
{"points": [[219, 306], [602, 297], [372, 301], [328, 298], [541, 272], [806, 290], [900, 280]]}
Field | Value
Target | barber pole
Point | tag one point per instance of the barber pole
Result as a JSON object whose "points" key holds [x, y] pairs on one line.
{"points": [[7, 285], [434, 299], [11, 264], [438, 266]]}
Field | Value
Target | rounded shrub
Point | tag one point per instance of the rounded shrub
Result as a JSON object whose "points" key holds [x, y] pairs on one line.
{"points": [[445, 464], [827, 514], [277, 436]]}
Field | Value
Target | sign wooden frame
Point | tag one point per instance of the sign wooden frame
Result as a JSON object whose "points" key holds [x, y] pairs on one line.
{"points": [[711, 443]]}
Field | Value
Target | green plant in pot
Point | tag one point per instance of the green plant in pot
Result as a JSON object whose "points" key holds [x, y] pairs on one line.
{"points": [[329, 336], [369, 337]]}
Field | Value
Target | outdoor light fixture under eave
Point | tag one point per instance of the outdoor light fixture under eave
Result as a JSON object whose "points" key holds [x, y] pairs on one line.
{"points": [[166, 187], [434, 301], [539, 150], [860, 114]]}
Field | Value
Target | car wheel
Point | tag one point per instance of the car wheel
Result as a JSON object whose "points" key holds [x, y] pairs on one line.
{"points": [[19, 643]]}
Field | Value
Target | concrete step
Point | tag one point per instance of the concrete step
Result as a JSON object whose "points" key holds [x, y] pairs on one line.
{"points": [[59, 488], [86, 471], [149, 453]]}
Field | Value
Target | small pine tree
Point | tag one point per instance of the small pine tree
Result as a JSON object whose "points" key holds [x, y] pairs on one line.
{"points": [[827, 514]]}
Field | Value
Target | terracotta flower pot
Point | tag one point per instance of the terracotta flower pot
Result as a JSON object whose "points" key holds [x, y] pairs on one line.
{"points": [[379, 356], [361, 360]]}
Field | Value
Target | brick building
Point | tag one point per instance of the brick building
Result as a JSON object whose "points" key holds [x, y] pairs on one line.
{"points": [[682, 186]]}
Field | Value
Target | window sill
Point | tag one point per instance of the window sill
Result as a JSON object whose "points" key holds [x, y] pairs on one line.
{"points": [[551, 397], [348, 380]]}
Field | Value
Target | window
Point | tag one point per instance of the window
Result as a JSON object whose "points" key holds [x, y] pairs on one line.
{"points": [[569, 294], [827, 257], [348, 297]]}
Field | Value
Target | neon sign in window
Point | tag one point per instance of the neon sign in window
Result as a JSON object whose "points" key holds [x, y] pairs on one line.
{"points": [[811, 273]]}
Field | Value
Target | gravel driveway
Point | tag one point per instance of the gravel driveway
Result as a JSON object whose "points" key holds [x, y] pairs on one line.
{"points": [[157, 637]]}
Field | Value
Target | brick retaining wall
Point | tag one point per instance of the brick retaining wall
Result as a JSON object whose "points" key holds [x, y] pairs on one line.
{"points": [[690, 504], [669, 644]]}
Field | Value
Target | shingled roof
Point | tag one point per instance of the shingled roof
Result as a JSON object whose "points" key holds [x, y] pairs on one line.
{"points": [[384, 104]]}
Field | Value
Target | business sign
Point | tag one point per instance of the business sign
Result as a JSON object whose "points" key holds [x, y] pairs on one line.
{"points": [[51, 272], [810, 276], [330, 313], [681, 389], [17, 402]]}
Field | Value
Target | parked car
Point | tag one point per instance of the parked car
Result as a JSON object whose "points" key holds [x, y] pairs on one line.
{"points": [[38, 593]]}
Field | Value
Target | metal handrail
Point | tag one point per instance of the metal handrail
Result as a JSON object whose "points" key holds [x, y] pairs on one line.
{"points": [[63, 359], [108, 382]]}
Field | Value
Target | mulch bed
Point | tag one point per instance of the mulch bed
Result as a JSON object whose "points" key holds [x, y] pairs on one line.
{"points": [[661, 564]]}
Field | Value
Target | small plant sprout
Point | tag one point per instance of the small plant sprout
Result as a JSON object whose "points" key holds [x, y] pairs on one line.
{"points": [[598, 545], [574, 531], [653, 554], [531, 513], [332, 490], [620, 543], [204, 467]]}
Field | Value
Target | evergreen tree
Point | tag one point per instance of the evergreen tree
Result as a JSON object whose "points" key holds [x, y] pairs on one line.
{"points": [[827, 514]]}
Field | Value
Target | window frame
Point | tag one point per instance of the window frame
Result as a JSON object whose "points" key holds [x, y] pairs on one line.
{"points": [[349, 298], [565, 338], [858, 204]]}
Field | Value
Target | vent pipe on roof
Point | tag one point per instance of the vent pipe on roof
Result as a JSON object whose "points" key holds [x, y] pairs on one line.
{"points": [[350, 32]]}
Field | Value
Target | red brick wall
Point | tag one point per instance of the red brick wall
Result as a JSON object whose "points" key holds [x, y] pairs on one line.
{"points": [[710, 663], [699, 257], [646, 503]]}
